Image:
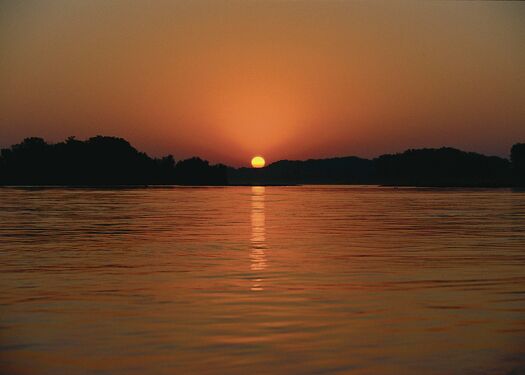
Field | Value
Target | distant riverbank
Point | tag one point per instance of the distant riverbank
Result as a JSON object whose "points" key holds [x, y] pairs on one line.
{"points": [[112, 162]]}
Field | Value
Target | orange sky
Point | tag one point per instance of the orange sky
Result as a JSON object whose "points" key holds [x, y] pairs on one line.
{"points": [[227, 80]]}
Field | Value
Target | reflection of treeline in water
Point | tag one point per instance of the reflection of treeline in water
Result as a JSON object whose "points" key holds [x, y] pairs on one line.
{"points": [[113, 161], [99, 161], [423, 167]]}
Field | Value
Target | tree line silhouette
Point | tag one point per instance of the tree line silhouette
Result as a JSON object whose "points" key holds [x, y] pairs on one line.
{"points": [[111, 161], [99, 161], [517, 158], [445, 167]]}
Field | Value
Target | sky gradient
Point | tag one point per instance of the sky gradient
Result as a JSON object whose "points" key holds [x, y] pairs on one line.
{"points": [[227, 80]]}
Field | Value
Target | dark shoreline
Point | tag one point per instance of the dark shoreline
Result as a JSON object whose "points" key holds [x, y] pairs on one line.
{"points": [[114, 163]]}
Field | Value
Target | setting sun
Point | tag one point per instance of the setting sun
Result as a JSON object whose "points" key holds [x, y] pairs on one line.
{"points": [[258, 162]]}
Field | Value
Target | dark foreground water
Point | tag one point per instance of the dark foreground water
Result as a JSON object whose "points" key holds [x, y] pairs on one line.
{"points": [[254, 280]]}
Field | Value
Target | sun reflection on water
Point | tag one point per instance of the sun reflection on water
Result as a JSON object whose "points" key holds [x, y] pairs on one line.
{"points": [[258, 239]]}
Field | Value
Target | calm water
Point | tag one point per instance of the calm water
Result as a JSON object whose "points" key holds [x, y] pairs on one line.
{"points": [[284, 280]]}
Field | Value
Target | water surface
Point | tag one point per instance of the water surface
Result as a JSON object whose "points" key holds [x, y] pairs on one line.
{"points": [[280, 280]]}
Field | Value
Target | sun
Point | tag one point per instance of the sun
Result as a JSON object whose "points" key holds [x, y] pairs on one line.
{"points": [[258, 162]]}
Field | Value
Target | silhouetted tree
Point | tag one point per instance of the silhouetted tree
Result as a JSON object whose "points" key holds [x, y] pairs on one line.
{"points": [[195, 171], [442, 167], [517, 157], [97, 161]]}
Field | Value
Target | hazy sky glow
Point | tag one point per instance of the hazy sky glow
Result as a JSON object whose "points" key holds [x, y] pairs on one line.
{"points": [[229, 80]]}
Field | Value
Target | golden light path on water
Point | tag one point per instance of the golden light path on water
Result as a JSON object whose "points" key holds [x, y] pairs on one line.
{"points": [[257, 254]]}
